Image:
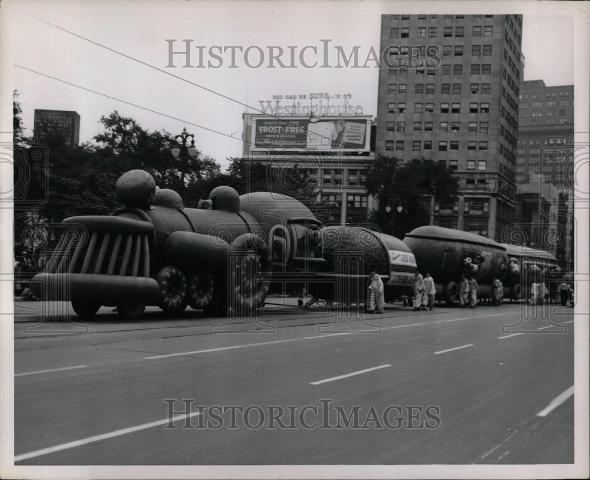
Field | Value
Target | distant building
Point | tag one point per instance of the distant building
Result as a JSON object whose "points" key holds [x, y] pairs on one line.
{"points": [[545, 164], [449, 94], [545, 127], [61, 126], [334, 152]]}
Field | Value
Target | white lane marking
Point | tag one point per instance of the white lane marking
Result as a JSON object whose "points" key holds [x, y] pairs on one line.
{"points": [[352, 374], [37, 372], [546, 327], [104, 436], [315, 337], [556, 402], [247, 345], [453, 349], [569, 321], [503, 455], [508, 336], [489, 452]]}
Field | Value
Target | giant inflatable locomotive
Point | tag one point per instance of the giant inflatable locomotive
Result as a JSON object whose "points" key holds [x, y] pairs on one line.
{"points": [[154, 251]]}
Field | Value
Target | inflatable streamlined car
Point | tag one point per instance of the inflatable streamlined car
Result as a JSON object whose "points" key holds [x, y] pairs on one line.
{"points": [[447, 254], [154, 251]]}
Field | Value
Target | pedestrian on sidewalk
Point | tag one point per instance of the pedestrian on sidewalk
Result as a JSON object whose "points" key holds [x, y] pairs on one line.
{"points": [[430, 289], [497, 292], [375, 293]]}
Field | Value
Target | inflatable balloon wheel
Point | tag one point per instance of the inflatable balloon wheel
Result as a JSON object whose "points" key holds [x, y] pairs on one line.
{"points": [[172, 284], [131, 309], [451, 293], [201, 288], [250, 274], [85, 310]]}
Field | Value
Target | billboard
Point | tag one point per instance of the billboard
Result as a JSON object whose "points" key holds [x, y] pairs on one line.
{"points": [[327, 133]]}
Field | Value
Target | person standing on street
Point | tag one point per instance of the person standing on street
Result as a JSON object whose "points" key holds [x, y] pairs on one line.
{"points": [[418, 292], [430, 290], [376, 294], [463, 291], [497, 292], [472, 292]]}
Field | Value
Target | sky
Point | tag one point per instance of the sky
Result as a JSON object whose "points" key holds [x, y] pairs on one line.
{"points": [[141, 30]]}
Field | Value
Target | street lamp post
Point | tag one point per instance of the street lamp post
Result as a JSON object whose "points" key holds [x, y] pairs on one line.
{"points": [[184, 153]]}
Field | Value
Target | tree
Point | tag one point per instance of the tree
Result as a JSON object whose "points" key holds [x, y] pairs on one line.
{"points": [[409, 186], [18, 136]]}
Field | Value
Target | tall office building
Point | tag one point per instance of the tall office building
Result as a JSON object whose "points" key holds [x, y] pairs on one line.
{"points": [[449, 93], [545, 128], [545, 168]]}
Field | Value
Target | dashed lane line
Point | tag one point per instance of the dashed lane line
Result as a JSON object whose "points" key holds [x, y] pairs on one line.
{"points": [[348, 375], [556, 402], [63, 369], [460, 347]]}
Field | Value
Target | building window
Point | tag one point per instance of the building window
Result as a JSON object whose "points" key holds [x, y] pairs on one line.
{"points": [[454, 145], [470, 164], [399, 145], [405, 17], [421, 32], [427, 144], [474, 87], [483, 127], [391, 107], [459, 31], [431, 71], [456, 89], [485, 88], [444, 126], [417, 108], [405, 33], [483, 145], [458, 50], [446, 69], [472, 126], [442, 146], [444, 108], [487, 50], [392, 89], [475, 69], [448, 32], [402, 88], [428, 126], [458, 69], [488, 31], [476, 31], [401, 107], [419, 88], [401, 126], [485, 108], [473, 107], [394, 33], [486, 69], [416, 144], [390, 126], [417, 126], [432, 31], [476, 50], [447, 50], [429, 107], [453, 165], [456, 108], [328, 172], [482, 165], [471, 145], [455, 126], [445, 88]]}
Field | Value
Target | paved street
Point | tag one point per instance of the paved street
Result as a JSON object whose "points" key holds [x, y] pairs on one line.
{"points": [[96, 393]]}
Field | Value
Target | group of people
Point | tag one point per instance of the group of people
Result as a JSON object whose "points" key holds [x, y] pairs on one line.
{"points": [[424, 292]]}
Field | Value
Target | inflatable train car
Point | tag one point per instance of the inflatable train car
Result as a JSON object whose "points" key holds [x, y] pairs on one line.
{"points": [[447, 254], [535, 266], [154, 251]]}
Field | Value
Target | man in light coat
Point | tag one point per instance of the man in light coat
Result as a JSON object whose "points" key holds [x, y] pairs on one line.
{"points": [[419, 292], [430, 290]]}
